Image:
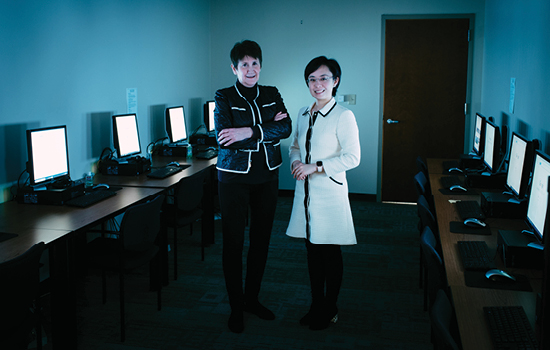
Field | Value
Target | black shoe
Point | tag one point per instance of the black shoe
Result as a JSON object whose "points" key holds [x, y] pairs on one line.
{"points": [[314, 312], [307, 319], [236, 322], [324, 321], [259, 310]]}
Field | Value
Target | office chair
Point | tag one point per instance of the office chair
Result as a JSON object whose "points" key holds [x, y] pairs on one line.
{"points": [[442, 320], [185, 210], [422, 186], [420, 183], [133, 246], [421, 166], [20, 299], [425, 218], [433, 266]]}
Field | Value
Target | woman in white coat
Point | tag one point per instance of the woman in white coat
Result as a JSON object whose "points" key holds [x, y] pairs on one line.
{"points": [[324, 147]]}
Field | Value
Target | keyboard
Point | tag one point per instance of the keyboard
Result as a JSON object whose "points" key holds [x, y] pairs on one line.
{"points": [[475, 255], [90, 198], [208, 154], [448, 181], [163, 172], [469, 209], [509, 328]]}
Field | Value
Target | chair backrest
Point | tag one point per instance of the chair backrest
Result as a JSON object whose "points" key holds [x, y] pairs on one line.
{"points": [[421, 165], [189, 191], [20, 280], [441, 316], [433, 263], [141, 224], [427, 217], [429, 246], [420, 183]]}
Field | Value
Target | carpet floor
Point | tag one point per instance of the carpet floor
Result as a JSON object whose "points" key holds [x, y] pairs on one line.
{"points": [[380, 304]]}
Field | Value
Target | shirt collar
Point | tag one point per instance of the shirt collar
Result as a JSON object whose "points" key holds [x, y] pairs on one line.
{"points": [[323, 111]]}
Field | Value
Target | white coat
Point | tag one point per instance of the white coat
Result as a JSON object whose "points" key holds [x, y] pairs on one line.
{"points": [[335, 142]]}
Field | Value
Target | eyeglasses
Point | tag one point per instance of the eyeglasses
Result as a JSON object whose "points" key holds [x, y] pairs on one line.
{"points": [[322, 80]]}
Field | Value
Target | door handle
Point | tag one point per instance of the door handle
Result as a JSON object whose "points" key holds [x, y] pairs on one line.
{"points": [[390, 121]]}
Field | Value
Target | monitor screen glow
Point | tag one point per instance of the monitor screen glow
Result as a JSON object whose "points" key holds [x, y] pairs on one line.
{"points": [[126, 135], [518, 152], [48, 154], [209, 108], [478, 134], [175, 124], [489, 149], [538, 197]]}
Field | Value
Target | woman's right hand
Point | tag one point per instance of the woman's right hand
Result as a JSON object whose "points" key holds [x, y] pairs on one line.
{"points": [[300, 170]]}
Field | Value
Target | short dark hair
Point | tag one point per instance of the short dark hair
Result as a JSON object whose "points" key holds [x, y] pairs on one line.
{"points": [[245, 48], [331, 64]]}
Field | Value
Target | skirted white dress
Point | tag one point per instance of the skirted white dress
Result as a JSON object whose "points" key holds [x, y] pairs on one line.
{"points": [[323, 202]]}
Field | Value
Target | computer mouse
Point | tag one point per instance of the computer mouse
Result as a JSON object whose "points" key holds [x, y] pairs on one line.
{"points": [[500, 276], [456, 170], [101, 187], [173, 164], [457, 188], [473, 222]]}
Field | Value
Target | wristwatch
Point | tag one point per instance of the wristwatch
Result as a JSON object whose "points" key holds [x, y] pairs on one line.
{"points": [[319, 166]]}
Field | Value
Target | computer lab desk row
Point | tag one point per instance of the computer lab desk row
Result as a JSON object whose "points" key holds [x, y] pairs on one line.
{"points": [[469, 301], [57, 226]]}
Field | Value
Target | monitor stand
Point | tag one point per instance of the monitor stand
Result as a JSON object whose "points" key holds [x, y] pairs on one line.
{"points": [[486, 180], [49, 194], [501, 205], [172, 150], [470, 161], [516, 251]]}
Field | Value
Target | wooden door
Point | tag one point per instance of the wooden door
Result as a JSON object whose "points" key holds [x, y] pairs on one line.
{"points": [[425, 85]]}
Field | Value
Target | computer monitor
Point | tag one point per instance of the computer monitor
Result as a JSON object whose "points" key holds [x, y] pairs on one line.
{"points": [[209, 116], [491, 151], [175, 124], [126, 135], [48, 155], [520, 165], [479, 135], [538, 196]]}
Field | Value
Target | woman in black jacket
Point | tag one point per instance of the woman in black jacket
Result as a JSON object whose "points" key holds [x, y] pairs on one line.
{"points": [[250, 121]]}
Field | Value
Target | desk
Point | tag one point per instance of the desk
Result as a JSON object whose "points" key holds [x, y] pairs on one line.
{"points": [[57, 225], [197, 165], [468, 301]]}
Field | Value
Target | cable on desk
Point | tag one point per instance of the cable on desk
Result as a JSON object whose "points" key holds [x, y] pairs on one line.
{"points": [[109, 156], [153, 145]]}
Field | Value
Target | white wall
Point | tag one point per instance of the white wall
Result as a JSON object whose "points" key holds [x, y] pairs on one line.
{"points": [[70, 62], [517, 46], [292, 32]]}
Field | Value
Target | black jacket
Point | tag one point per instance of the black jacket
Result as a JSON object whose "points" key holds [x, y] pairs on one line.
{"points": [[233, 111]]}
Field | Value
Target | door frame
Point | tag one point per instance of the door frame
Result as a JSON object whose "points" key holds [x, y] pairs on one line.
{"points": [[468, 102]]}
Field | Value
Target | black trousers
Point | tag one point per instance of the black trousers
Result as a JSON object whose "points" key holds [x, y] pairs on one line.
{"points": [[326, 269], [236, 200]]}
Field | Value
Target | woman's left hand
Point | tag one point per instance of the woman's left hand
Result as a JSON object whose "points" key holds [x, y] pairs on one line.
{"points": [[300, 171], [280, 116], [231, 135]]}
